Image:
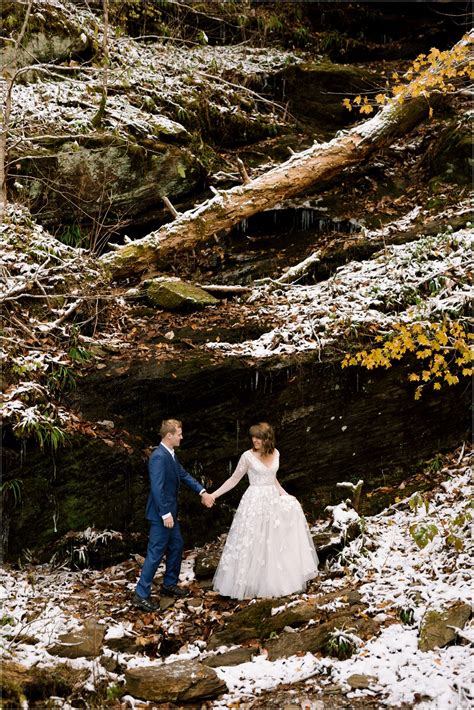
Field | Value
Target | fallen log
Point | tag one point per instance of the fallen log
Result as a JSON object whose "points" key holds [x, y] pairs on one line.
{"points": [[302, 171]]}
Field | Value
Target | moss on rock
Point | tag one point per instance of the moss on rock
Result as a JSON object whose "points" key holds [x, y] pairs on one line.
{"points": [[173, 295]]}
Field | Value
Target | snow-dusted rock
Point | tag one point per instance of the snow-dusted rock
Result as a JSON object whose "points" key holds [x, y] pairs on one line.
{"points": [[182, 681], [86, 642], [438, 626], [174, 294]]}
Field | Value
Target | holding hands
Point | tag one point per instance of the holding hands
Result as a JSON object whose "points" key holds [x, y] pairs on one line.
{"points": [[207, 499]]}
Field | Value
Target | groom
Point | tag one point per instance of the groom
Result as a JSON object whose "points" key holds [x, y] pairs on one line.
{"points": [[166, 474]]}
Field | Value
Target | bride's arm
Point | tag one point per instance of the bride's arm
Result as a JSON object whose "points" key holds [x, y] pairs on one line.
{"points": [[281, 490], [239, 473]]}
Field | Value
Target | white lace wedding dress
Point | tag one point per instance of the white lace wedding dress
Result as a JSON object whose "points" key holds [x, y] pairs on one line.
{"points": [[269, 551]]}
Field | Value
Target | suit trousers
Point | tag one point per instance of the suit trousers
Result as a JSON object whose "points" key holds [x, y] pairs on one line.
{"points": [[162, 541]]}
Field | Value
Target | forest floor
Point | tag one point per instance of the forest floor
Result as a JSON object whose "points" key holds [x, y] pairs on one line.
{"points": [[410, 560]]}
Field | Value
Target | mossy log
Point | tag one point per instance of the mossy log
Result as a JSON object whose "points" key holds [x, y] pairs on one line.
{"points": [[302, 171]]}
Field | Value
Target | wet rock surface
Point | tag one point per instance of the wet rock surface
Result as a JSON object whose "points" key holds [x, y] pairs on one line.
{"points": [[338, 407], [178, 682], [177, 295], [438, 626], [86, 642]]}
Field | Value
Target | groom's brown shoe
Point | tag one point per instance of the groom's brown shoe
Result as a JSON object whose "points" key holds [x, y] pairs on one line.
{"points": [[174, 591]]}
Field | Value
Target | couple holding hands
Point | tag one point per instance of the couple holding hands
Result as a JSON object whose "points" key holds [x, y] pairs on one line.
{"points": [[269, 551]]}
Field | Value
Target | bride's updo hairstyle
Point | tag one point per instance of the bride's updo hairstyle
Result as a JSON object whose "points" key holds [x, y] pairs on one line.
{"points": [[265, 432]]}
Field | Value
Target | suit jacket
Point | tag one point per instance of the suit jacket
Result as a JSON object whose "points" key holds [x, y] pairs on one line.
{"points": [[166, 475]]}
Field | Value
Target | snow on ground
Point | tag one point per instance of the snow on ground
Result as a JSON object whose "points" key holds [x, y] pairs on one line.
{"points": [[381, 291], [395, 576], [141, 76], [260, 674], [398, 575], [392, 572], [404, 674]]}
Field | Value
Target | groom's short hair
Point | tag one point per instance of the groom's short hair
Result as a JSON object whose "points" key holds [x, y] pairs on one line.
{"points": [[169, 426]]}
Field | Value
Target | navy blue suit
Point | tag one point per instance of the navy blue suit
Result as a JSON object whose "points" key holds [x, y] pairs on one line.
{"points": [[166, 475]]}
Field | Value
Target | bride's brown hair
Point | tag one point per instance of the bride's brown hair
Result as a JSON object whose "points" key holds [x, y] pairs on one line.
{"points": [[264, 431]]}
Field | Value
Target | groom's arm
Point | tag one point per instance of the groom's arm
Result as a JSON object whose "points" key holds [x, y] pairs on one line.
{"points": [[194, 485]]}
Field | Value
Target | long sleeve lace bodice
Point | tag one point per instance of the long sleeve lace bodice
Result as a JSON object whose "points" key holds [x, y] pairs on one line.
{"points": [[258, 472]]}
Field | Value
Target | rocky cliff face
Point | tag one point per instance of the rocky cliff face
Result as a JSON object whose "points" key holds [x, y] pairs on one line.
{"points": [[332, 425]]}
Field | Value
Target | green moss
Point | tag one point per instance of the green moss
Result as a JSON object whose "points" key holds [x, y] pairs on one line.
{"points": [[75, 514], [59, 681], [173, 295], [12, 695], [207, 156]]}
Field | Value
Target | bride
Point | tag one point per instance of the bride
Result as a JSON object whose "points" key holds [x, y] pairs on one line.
{"points": [[269, 551]]}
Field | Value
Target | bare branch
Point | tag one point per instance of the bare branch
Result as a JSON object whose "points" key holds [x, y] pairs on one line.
{"points": [[243, 172], [73, 307], [220, 288], [170, 207]]}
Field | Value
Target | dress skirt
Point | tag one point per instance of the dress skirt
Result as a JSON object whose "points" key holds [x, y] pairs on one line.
{"points": [[269, 551]]}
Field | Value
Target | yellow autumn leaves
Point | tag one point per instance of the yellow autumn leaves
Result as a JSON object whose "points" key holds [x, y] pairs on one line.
{"points": [[428, 73], [361, 102], [442, 349]]}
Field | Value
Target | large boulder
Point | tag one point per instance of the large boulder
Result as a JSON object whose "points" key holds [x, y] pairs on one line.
{"points": [[105, 174], [86, 642], [173, 294], [182, 681], [52, 36], [438, 626]]}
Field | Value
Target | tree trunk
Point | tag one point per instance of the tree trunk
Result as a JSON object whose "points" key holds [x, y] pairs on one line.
{"points": [[99, 116], [299, 173], [10, 73]]}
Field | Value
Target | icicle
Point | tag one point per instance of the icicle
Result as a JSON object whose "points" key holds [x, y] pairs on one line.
{"points": [[306, 219], [22, 452]]}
